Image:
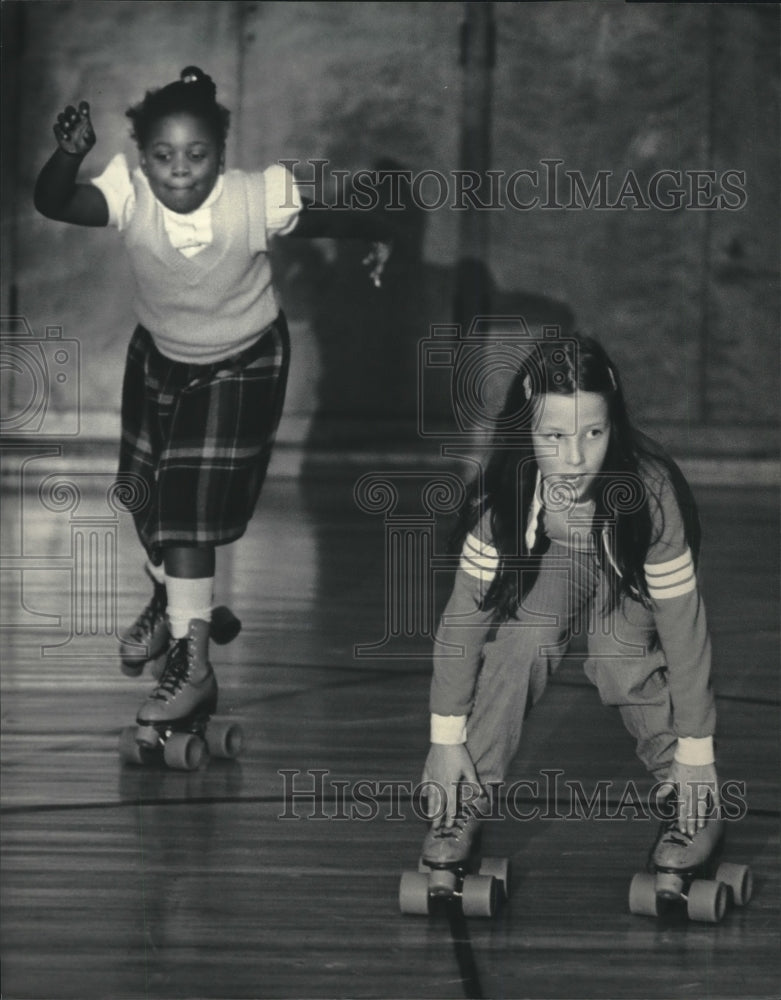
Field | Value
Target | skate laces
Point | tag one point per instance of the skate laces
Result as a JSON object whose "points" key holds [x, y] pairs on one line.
{"points": [[460, 821], [672, 835], [452, 832], [177, 667]]}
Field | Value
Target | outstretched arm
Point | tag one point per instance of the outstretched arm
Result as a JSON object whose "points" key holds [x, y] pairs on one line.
{"points": [[340, 223], [345, 223], [57, 194]]}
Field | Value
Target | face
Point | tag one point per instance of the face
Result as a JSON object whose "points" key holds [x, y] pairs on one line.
{"points": [[182, 162], [571, 440]]}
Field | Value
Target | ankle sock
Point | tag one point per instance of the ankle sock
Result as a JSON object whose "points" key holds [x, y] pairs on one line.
{"points": [[188, 599]]}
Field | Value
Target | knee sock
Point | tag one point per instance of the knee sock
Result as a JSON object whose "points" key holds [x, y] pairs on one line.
{"points": [[188, 599]]}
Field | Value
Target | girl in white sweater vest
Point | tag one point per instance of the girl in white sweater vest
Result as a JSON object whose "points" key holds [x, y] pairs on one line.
{"points": [[207, 364]]}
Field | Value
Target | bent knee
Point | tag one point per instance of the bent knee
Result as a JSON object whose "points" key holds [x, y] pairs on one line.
{"points": [[628, 682]]}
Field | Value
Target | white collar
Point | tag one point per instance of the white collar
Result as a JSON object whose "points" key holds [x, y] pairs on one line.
{"points": [[534, 513], [192, 231]]}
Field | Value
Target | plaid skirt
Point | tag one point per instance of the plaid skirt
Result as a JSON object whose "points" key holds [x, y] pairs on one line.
{"points": [[197, 439]]}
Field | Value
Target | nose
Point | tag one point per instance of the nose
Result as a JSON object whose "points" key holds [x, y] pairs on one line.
{"points": [[180, 166], [574, 453]]}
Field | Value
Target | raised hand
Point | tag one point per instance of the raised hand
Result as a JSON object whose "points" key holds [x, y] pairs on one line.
{"points": [[376, 260], [73, 130], [58, 194]]}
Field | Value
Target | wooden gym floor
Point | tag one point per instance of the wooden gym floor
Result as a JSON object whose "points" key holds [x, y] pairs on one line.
{"points": [[123, 882]]}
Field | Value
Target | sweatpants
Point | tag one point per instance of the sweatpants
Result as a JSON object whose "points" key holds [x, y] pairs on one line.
{"points": [[624, 661]]}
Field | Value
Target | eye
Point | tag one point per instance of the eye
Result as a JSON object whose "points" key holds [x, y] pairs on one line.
{"points": [[197, 155], [161, 157]]}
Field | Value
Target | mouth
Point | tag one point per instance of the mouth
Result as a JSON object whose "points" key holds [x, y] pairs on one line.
{"points": [[573, 481]]}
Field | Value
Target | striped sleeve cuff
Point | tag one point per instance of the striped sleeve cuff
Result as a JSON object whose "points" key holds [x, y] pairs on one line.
{"points": [[671, 579], [448, 729], [695, 751], [479, 559]]}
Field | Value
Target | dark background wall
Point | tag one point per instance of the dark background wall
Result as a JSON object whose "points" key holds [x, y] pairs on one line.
{"points": [[686, 300]]}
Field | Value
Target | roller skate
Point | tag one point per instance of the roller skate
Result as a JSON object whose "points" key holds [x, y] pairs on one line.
{"points": [[175, 722], [450, 869], [149, 636], [686, 870]]}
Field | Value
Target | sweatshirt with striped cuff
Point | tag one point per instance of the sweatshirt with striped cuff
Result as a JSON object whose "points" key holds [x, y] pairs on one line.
{"points": [[676, 603]]}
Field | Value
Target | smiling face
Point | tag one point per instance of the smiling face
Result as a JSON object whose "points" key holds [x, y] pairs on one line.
{"points": [[182, 162], [571, 440]]}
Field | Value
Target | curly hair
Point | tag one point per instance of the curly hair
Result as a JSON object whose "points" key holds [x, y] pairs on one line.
{"points": [[193, 93]]}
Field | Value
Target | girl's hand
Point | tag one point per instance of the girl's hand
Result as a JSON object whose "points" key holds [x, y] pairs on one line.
{"points": [[376, 260], [73, 130], [446, 767], [697, 788]]}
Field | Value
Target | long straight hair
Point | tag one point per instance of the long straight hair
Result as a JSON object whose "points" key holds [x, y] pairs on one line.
{"points": [[506, 487]]}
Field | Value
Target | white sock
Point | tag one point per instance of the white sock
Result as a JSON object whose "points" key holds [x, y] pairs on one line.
{"points": [[188, 599], [156, 572]]}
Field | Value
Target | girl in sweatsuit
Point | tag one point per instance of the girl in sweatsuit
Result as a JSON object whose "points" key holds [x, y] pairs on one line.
{"points": [[576, 517], [207, 364]]}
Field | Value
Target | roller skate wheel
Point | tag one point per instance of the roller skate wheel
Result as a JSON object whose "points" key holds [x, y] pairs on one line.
{"points": [[129, 749], [707, 901], [441, 882], [131, 667], [739, 878], [413, 893], [147, 736], [480, 896], [225, 626], [224, 739], [642, 895], [183, 751], [669, 885], [498, 868]]}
